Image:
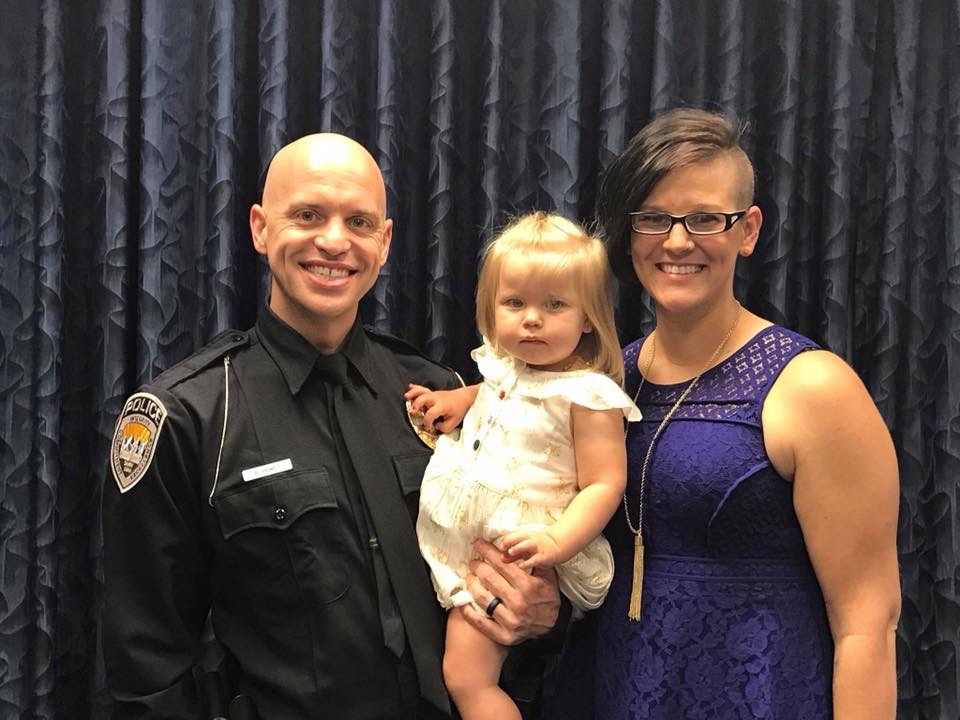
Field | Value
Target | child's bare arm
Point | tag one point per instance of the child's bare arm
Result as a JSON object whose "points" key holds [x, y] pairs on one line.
{"points": [[442, 410], [601, 474]]}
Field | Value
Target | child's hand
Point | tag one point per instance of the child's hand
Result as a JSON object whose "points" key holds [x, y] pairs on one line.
{"points": [[530, 550], [442, 410]]}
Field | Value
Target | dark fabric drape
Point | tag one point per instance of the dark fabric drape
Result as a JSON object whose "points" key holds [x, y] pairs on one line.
{"points": [[134, 135]]}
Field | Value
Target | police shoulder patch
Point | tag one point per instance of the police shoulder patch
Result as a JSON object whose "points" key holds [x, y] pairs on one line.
{"points": [[135, 439]]}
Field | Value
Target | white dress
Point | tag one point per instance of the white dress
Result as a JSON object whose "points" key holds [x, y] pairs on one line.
{"points": [[513, 467]]}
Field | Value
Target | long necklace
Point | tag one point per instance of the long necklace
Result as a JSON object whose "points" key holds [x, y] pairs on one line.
{"points": [[635, 592]]}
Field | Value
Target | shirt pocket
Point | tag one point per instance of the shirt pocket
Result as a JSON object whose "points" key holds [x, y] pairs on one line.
{"points": [[287, 531], [409, 468]]}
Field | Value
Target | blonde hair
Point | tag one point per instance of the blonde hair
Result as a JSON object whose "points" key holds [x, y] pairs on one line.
{"points": [[557, 246]]}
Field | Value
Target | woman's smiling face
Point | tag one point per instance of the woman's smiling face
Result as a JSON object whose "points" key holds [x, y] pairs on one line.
{"points": [[685, 272]]}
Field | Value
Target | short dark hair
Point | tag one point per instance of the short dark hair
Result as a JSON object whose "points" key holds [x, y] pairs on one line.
{"points": [[680, 137]]}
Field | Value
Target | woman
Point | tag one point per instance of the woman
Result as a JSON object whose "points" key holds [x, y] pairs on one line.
{"points": [[764, 583]]}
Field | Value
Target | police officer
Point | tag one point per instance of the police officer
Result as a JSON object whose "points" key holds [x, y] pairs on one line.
{"points": [[271, 481]]}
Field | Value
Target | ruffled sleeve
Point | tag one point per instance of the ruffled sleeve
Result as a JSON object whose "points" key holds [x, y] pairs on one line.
{"points": [[586, 388], [495, 368]]}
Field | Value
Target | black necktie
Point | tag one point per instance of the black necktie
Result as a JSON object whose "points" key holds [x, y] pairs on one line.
{"points": [[358, 414], [332, 369]]}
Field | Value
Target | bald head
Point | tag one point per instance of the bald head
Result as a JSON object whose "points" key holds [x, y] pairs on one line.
{"points": [[323, 228], [319, 154]]}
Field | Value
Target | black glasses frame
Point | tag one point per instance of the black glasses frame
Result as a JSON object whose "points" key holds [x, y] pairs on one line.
{"points": [[729, 220]]}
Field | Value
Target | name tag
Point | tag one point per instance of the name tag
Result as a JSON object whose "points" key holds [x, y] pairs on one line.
{"points": [[264, 470]]}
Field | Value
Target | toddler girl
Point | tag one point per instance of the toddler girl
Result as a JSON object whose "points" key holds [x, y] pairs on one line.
{"points": [[539, 465]]}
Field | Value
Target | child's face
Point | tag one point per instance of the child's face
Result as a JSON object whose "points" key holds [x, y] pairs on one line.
{"points": [[539, 319]]}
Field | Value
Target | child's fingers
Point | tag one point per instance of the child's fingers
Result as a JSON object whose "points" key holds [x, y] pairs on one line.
{"points": [[444, 425], [422, 403], [522, 550], [510, 540], [432, 416], [414, 391], [507, 545], [531, 562]]}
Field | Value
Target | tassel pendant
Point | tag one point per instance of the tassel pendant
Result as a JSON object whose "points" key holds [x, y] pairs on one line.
{"points": [[635, 593]]}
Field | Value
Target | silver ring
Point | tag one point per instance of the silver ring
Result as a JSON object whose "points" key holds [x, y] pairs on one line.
{"points": [[493, 606]]}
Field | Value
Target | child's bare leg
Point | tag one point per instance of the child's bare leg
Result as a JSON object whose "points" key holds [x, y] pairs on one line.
{"points": [[471, 670]]}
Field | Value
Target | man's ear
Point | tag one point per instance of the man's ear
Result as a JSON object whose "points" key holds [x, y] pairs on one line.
{"points": [[385, 239], [751, 223], [258, 227]]}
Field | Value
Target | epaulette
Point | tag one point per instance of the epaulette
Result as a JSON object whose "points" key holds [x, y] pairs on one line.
{"points": [[213, 351]]}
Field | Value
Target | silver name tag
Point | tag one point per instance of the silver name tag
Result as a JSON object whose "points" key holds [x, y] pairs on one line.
{"points": [[269, 469]]}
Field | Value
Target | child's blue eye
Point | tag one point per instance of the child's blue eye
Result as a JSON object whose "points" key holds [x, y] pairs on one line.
{"points": [[556, 304]]}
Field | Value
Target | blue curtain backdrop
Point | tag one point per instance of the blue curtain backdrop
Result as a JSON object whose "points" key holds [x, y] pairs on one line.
{"points": [[134, 135]]}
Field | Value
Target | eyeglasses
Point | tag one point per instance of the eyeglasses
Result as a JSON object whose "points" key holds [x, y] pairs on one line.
{"points": [[701, 223]]}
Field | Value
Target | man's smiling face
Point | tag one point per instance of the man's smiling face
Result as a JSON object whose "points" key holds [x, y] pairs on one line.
{"points": [[323, 229]]}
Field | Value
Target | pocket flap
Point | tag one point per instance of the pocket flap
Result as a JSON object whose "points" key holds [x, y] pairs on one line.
{"points": [[409, 469], [275, 503]]}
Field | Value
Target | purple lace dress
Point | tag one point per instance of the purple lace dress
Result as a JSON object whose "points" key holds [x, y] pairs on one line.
{"points": [[733, 623]]}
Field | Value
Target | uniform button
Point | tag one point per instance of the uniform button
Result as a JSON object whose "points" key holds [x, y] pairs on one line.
{"points": [[476, 444], [280, 513], [236, 337]]}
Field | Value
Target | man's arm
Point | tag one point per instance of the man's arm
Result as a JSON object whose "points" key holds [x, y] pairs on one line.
{"points": [[155, 571]]}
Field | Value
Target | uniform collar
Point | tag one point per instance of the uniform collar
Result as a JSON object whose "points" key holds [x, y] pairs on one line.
{"points": [[297, 357]]}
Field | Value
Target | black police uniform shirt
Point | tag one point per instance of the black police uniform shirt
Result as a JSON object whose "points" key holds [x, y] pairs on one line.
{"points": [[278, 489]]}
